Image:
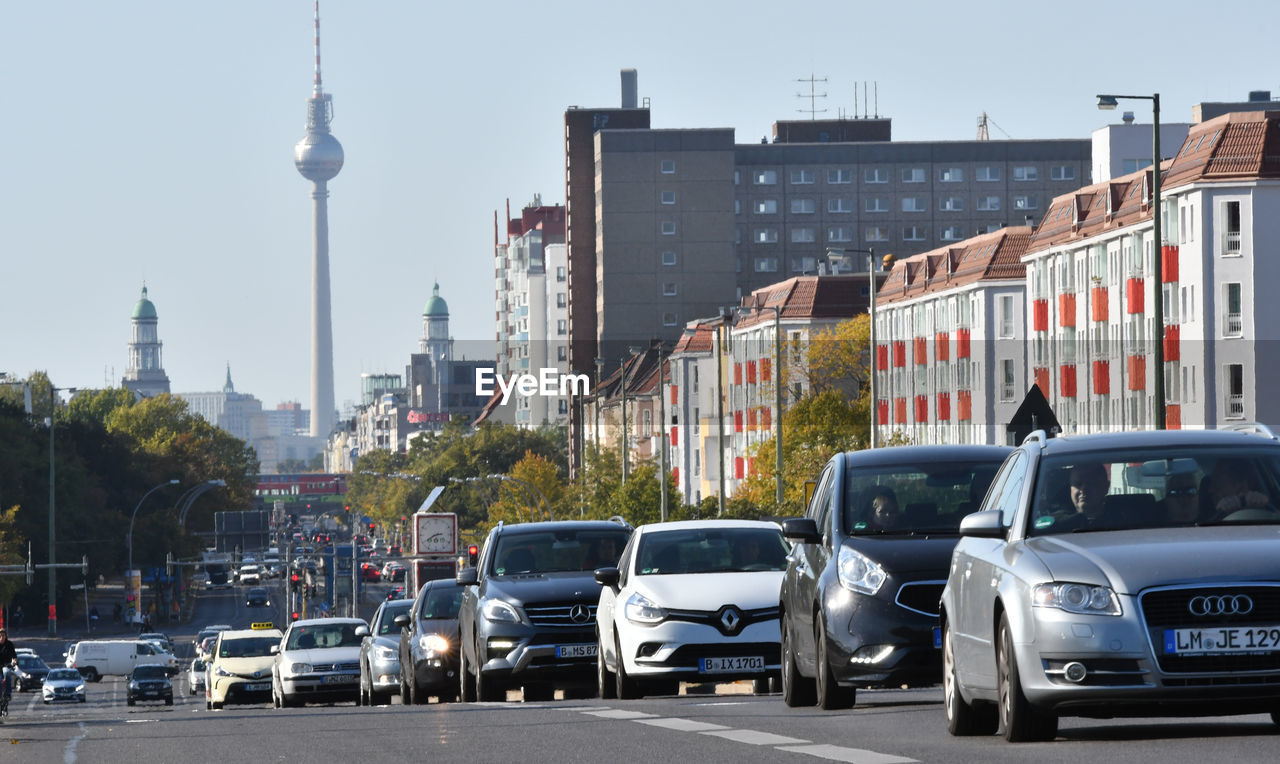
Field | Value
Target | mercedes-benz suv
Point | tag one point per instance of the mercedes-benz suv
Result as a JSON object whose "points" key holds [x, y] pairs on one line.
{"points": [[528, 614]]}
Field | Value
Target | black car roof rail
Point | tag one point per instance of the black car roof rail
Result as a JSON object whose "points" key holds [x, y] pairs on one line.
{"points": [[1256, 428], [1039, 435], [622, 521]]}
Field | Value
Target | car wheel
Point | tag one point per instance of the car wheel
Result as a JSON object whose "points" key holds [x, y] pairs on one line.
{"points": [[215, 705], [1022, 722], [168, 701], [466, 681], [91, 674], [625, 687], [46, 702], [1275, 717], [831, 696], [796, 690], [488, 690], [131, 702], [605, 686], [408, 690], [379, 698], [963, 719]]}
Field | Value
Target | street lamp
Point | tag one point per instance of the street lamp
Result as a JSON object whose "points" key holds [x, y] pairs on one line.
{"points": [[1107, 103], [129, 573], [623, 370], [53, 570], [777, 389], [599, 363], [871, 309], [189, 497]]}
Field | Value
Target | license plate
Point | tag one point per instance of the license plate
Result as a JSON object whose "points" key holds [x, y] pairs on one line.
{"points": [[730, 665], [937, 637], [576, 651], [339, 679], [1222, 641], [258, 687]]}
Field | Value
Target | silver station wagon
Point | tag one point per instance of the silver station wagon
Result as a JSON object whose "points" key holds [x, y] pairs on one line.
{"points": [[1130, 574]]}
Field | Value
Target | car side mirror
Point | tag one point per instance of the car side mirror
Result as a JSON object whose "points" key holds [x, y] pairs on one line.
{"points": [[802, 529], [467, 577], [402, 621], [986, 525], [608, 577], [362, 631], [275, 649]]}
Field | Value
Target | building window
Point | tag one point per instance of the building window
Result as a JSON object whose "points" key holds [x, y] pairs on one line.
{"points": [[668, 258], [1235, 390], [765, 177], [988, 204], [804, 264], [985, 174], [562, 353], [668, 197], [561, 273], [562, 327], [876, 175], [953, 204], [1231, 228], [668, 167], [951, 175], [765, 236], [953, 233], [766, 265], [803, 235], [803, 207], [877, 204], [915, 233], [563, 407], [1232, 320], [668, 227], [1026, 202], [1008, 383], [839, 205], [1062, 172], [913, 175], [562, 300], [668, 319], [1006, 316], [877, 233], [669, 289], [840, 233], [1026, 172], [837, 177], [914, 204], [802, 177], [766, 207], [992, 228]]}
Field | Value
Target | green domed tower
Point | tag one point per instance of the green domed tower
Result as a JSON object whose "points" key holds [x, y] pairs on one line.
{"points": [[145, 373]]}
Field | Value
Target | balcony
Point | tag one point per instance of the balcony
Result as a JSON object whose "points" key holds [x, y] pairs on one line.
{"points": [[1231, 243], [1235, 407], [1234, 325]]}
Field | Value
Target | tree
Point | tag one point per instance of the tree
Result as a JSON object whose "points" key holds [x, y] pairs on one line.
{"points": [[11, 553]]}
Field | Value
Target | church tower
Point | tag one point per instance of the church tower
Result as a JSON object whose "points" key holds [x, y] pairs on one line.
{"points": [[145, 374]]}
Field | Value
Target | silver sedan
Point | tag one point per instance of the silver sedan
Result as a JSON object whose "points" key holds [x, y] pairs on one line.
{"points": [[1117, 575]]}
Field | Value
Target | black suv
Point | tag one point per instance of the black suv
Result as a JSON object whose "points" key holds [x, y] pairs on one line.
{"points": [[528, 614], [149, 682], [860, 598], [429, 644]]}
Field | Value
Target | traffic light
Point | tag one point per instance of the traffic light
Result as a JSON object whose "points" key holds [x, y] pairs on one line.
{"points": [[473, 555], [293, 616], [372, 525], [294, 581], [347, 508]]}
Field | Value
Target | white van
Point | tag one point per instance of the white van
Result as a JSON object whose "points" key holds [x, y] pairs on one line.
{"points": [[100, 657]]}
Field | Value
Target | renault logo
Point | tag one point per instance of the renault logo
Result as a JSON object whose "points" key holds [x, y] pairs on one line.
{"points": [[1236, 604], [730, 619], [579, 614]]}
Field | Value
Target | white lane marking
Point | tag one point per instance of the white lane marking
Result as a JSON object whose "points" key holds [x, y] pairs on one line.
{"points": [[619, 714], [69, 752], [728, 703], [682, 725], [851, 755], [139, 721], [756, 737]]}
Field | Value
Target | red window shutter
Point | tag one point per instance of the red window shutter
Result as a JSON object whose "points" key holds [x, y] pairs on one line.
{"points": [[737, 421], [766, 417], [964, 404], [1134, 294], [922, 408], [766, 369], [1173, 417], [1169, 267], [1040, 316], [1172, 343], [1137, 372], [751, 419], [882, 412], [737, 374], [944, 407], [900, 410], [899, 353], [675, 475], [921, 351], [1098, 304], [1066, 310], [675, 435], [942, 347], [751, 372], [1042, 381], [962, 343], [737, 468], [675, 395], [882, 357], [1101, 377], [1067, 381]]}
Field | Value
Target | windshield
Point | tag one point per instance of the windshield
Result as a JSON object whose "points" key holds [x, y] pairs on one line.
{"points": [[324, 635], [31, 662], [914, 498], [711, 550], [557, 551], [63, 673], [441, 603], [388, 623], [247, 647], [1155, 488], [150, 672]]}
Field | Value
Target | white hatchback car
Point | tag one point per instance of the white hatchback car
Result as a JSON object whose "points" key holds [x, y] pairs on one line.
{"points": [[694, 600], [318, 661]]}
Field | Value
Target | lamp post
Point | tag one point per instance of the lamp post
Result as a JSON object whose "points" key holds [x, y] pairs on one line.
{"points": [[1107, 103], [871, 310], [189, 497], [596, 406], [53, 570], [662, 435], [720, 406], [623, 383], [777, 390], [129, 573]]}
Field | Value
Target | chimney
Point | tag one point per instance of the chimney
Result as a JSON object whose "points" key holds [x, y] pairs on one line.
{"points": [[1128, 118], [629, 96], [1259, 96]]}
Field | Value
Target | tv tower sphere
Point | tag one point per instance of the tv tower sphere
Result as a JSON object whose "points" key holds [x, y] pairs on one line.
{"points": [[318, 156]]}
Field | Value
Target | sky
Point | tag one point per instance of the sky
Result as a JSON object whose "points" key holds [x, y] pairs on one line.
{"points": [[151, 142]]}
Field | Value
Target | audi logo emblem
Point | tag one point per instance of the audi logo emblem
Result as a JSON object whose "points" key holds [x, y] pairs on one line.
{"points": [[1225, 604]]}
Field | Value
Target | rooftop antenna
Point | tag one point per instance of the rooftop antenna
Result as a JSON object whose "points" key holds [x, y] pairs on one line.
{"points": [[864, 99], [319, 88], [877, 101], [855, 99], [813, 96]]}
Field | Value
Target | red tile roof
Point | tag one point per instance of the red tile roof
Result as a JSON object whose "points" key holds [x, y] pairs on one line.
{"points": [[807, 297], [989, 256]]}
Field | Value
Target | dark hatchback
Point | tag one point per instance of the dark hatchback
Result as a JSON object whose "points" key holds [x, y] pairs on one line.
{"points": [[528, 614], [149, 682], [860, 598], [429, 644]]}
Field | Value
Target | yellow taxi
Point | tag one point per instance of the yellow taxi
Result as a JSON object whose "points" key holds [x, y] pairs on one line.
{"points": [[239, 666]]}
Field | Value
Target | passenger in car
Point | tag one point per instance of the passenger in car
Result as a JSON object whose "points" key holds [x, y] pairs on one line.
{"points": [[1087, 491], [884, 514], [603, 552], [1230, 489], [1181, 502]]}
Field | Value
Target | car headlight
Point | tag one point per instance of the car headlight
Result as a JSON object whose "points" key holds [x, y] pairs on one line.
{"points": [[220, 671], [499, 612], [1083, 599], [300, 668], [640, 609], [433, 643], [858, 572], [133, 685], [79, 688], [384, 653]]}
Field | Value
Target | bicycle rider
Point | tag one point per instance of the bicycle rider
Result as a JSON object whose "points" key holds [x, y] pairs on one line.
{"points": [[8, 662]]}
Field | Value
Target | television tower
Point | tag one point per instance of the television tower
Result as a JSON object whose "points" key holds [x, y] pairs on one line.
{"points": [[318, 156]]}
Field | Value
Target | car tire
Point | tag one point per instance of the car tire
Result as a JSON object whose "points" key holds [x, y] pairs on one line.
{"points": [[46, 702], [625, 687], [488, 690], [1022, 722], [1275, 717], [466, 681], [963, 719], [408, 690], [168, 701], [91, 675], [797, 690], [131, 702], [831, 696], [215, 705], [605, 683]]}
